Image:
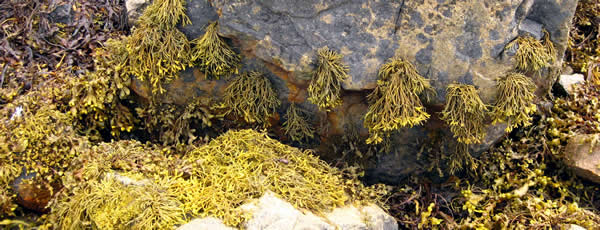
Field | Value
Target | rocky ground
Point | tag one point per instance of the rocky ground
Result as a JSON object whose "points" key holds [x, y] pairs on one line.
{"points": [[207, 114]]}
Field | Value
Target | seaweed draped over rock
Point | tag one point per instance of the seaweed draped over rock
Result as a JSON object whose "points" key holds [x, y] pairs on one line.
{"points": [[211, 180], [296, 125], [395, 101], [251, 97], [325, 88], [465, 113], [213, 55], [532, 55], [514, 101]]}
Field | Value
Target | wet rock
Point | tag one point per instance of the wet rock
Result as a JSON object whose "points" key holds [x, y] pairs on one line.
{"points": [[567, 82], [32, 194], [582, 154], [62, 14]]}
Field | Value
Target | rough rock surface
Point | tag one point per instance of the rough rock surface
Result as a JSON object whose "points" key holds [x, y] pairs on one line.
{"points": [[448, 41], [272, 213], [568, 81], [583, 156], [135, 8]]}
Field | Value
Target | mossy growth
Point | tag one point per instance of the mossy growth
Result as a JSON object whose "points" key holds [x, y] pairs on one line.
{"points": [[395, 101], [213, 55], [465, 113], [296, 125], [157, 50], [96, 96], [533, 55], [165, 188], [251, 97], [325, 88], [514, 101]]}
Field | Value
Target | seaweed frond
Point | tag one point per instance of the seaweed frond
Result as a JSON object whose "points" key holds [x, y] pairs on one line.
{"points": [[514, 101], [465, 113], [157, 55], [165, 14], [213, 55], [296, 126], [395, 101], [252, 97], [111, 204], [531, 54], [325, 89], [550, 49]]}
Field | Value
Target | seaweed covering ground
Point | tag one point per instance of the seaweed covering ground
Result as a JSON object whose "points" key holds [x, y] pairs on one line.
{"points": [[102, 158]]}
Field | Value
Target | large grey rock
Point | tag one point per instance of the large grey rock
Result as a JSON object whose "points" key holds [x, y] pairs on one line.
{"points": [[447, 41], [272, 213], [583, 156]]}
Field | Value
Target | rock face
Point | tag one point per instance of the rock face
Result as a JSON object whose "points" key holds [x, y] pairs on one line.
{"points": [[448, 41], [272, 213], [583, 156]]}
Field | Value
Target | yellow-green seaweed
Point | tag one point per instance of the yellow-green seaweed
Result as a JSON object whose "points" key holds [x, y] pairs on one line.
{"points": [[296, 126], [514, 101], [213, 55], [465, 113], [325, 88], [532, 55], [252, 97], [395, 101]]}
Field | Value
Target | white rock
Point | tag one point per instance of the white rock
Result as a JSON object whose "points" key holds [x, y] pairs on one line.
{"points": [[568, 81], [208, 223], [576, 227], [135, 9]]}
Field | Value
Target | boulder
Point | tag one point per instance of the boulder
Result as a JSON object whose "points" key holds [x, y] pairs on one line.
{"points": [[272, 213], [582, 155], [134, 9], [447, 41], [567, 82]]}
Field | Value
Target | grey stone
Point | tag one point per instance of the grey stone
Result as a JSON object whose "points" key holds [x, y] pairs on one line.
{"points": [[62, 14], [532, 28], [207, 223], [568, 82], [135, 8], [582, 155]]}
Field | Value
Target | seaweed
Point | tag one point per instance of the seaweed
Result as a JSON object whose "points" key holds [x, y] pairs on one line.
{"points": [[325, 88], [532, 55], [296, 126], [251, 97], [465, 113], [213, 55], [395, 101], [514, 101]]}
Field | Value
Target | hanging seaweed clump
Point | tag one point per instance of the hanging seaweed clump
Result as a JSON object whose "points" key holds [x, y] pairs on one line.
{"points": [[96, 97], [213, 55], [514, 101], [252, 97], [395, 101], [465, 113], [532, 55], [325, 89], [156, 48], [296, 126], [173, 124]]}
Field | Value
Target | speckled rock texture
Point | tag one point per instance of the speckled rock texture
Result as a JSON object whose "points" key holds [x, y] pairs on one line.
{"points": [[448, 41]]}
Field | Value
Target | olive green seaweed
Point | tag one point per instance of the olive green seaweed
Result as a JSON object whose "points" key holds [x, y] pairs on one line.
{"points": [[514, 101], [532, 55], [325, 89], [395, 101], [252, 97], [296, 126], [465, 113], [213, 55]]}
